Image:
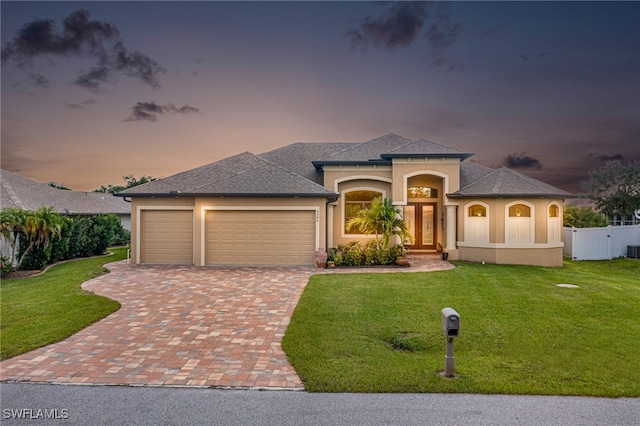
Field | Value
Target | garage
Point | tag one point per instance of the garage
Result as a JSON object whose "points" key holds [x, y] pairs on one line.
{"points": [[260, 237], [167, 236]]}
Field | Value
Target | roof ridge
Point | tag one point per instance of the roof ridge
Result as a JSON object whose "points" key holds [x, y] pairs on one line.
{"points": [[475, 182], [290, 171]]}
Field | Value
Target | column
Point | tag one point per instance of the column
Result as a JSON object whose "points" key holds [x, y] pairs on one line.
{"points": [[451, 227]]}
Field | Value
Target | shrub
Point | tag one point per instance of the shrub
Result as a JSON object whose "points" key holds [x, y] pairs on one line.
{"points": [[353, 254], [60, 246], [38, 256]]}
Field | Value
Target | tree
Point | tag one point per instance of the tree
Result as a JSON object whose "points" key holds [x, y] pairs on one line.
{"points": [[130, 181], [11, 226], [615, 187], [37, 229], [381, 218], [583, 217], [58, 185]]}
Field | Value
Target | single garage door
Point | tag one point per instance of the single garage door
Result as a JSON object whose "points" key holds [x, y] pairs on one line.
{"points": [[264, 237], [167, 236]]}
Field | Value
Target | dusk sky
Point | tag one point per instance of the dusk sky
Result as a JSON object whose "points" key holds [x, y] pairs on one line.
{"points": [[93, 91]]}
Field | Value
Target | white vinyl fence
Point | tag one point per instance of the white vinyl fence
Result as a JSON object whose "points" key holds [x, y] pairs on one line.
{"points": [[599, 243]]}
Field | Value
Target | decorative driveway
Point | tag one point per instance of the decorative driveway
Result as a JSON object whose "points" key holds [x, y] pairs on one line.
{"points": [[185, 326]]}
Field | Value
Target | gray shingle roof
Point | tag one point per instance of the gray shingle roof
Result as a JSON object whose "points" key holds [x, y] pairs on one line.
{"points": [[241, 175], [20, 192], [367, 151], [424, 148], [471, 172], [508, 183], [298, 157]]}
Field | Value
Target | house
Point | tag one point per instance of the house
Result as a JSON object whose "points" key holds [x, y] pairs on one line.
{"points": [[26, 194], [279, 207]]}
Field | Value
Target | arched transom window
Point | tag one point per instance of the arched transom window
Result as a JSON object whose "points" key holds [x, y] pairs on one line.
{"points": [[519, 210], [422, 192]]}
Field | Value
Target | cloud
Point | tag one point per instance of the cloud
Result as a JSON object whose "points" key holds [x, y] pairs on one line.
{"points": [[149, 111], [40, 80], [402, 24], [522, 161], [399, 27], [603, 157], [81, 37], [80, 105]]}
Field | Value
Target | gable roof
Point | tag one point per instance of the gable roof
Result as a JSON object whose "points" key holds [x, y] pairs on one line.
{"points": [[244, 174], [508, 183], [20, 192]]}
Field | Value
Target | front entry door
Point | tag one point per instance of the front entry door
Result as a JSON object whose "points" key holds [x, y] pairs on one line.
{"points": [[421, 218]]}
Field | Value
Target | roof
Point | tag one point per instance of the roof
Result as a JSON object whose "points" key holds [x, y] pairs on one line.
{"points": [[425, 148], [383, 149], [20, 192], [244, 174], [298, 157], [508, 183], [297, 170]]}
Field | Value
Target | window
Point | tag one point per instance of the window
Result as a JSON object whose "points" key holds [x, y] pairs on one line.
{"points": [[519, 224], [554, 224], [354, 201], [519, 210], [422, 192], [477, 211], [476, 224]]}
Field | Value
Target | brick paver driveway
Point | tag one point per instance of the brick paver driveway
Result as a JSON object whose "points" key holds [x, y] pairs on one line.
{"points": [[182, 325]]}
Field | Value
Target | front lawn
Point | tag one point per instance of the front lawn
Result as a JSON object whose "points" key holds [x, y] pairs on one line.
{"points": [[45, 309], [520, 333]]}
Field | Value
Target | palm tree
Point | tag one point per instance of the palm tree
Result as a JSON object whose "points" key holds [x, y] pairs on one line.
{"points": [[381, 218], [38, 227], [11, 226]]}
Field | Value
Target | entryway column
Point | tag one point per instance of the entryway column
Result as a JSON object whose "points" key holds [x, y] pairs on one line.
{"points": [[451, 227], [329, 231]]}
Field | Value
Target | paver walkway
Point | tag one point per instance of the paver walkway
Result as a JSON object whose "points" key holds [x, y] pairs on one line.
{"points": [[185, 325]]}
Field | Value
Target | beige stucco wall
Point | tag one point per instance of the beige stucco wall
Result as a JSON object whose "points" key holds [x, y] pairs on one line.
{"points": [[497, 216], [513, 256], [446, 168], [200, 205]]}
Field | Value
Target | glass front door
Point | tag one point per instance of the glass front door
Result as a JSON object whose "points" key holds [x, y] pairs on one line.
{"points": [[421, 218]]}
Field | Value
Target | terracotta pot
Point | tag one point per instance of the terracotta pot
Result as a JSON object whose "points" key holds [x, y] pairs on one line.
{"points": [[402, 261]]}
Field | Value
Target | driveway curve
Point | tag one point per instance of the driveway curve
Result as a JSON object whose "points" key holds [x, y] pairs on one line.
{"points": [[184, 326]]}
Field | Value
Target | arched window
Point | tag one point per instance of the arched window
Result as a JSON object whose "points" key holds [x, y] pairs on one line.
{"points": [[476, 224], [519, 210], [477, 210], [554, 224], [519, 223], [354, 201], [422, 192]]}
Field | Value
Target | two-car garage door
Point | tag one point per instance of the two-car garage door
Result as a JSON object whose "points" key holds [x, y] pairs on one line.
{"points": [[231, 237], [260, 237]]}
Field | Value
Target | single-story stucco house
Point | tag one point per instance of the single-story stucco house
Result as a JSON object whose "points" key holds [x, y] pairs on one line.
{"points": [[279, 207], [19, 192]]}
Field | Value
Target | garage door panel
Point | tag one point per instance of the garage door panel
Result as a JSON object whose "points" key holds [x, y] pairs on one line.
{"points": [[260, 237], [167, 236]]}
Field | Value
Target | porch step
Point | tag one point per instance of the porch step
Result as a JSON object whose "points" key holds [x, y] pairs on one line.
{"points": [[421, 252]]}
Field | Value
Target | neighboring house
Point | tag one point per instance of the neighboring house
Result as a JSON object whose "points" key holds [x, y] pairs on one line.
{"points": [[279, 207], [26, 194]]}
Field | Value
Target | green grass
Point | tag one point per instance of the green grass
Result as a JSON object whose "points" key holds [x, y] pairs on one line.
{"points": [[45, 309], [520, 333]]}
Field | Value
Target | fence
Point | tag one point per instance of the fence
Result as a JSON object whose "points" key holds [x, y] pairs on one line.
{"points": [[599, 243]]}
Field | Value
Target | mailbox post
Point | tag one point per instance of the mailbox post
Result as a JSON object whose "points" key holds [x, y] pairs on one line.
{"points": [[451, 330]]}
